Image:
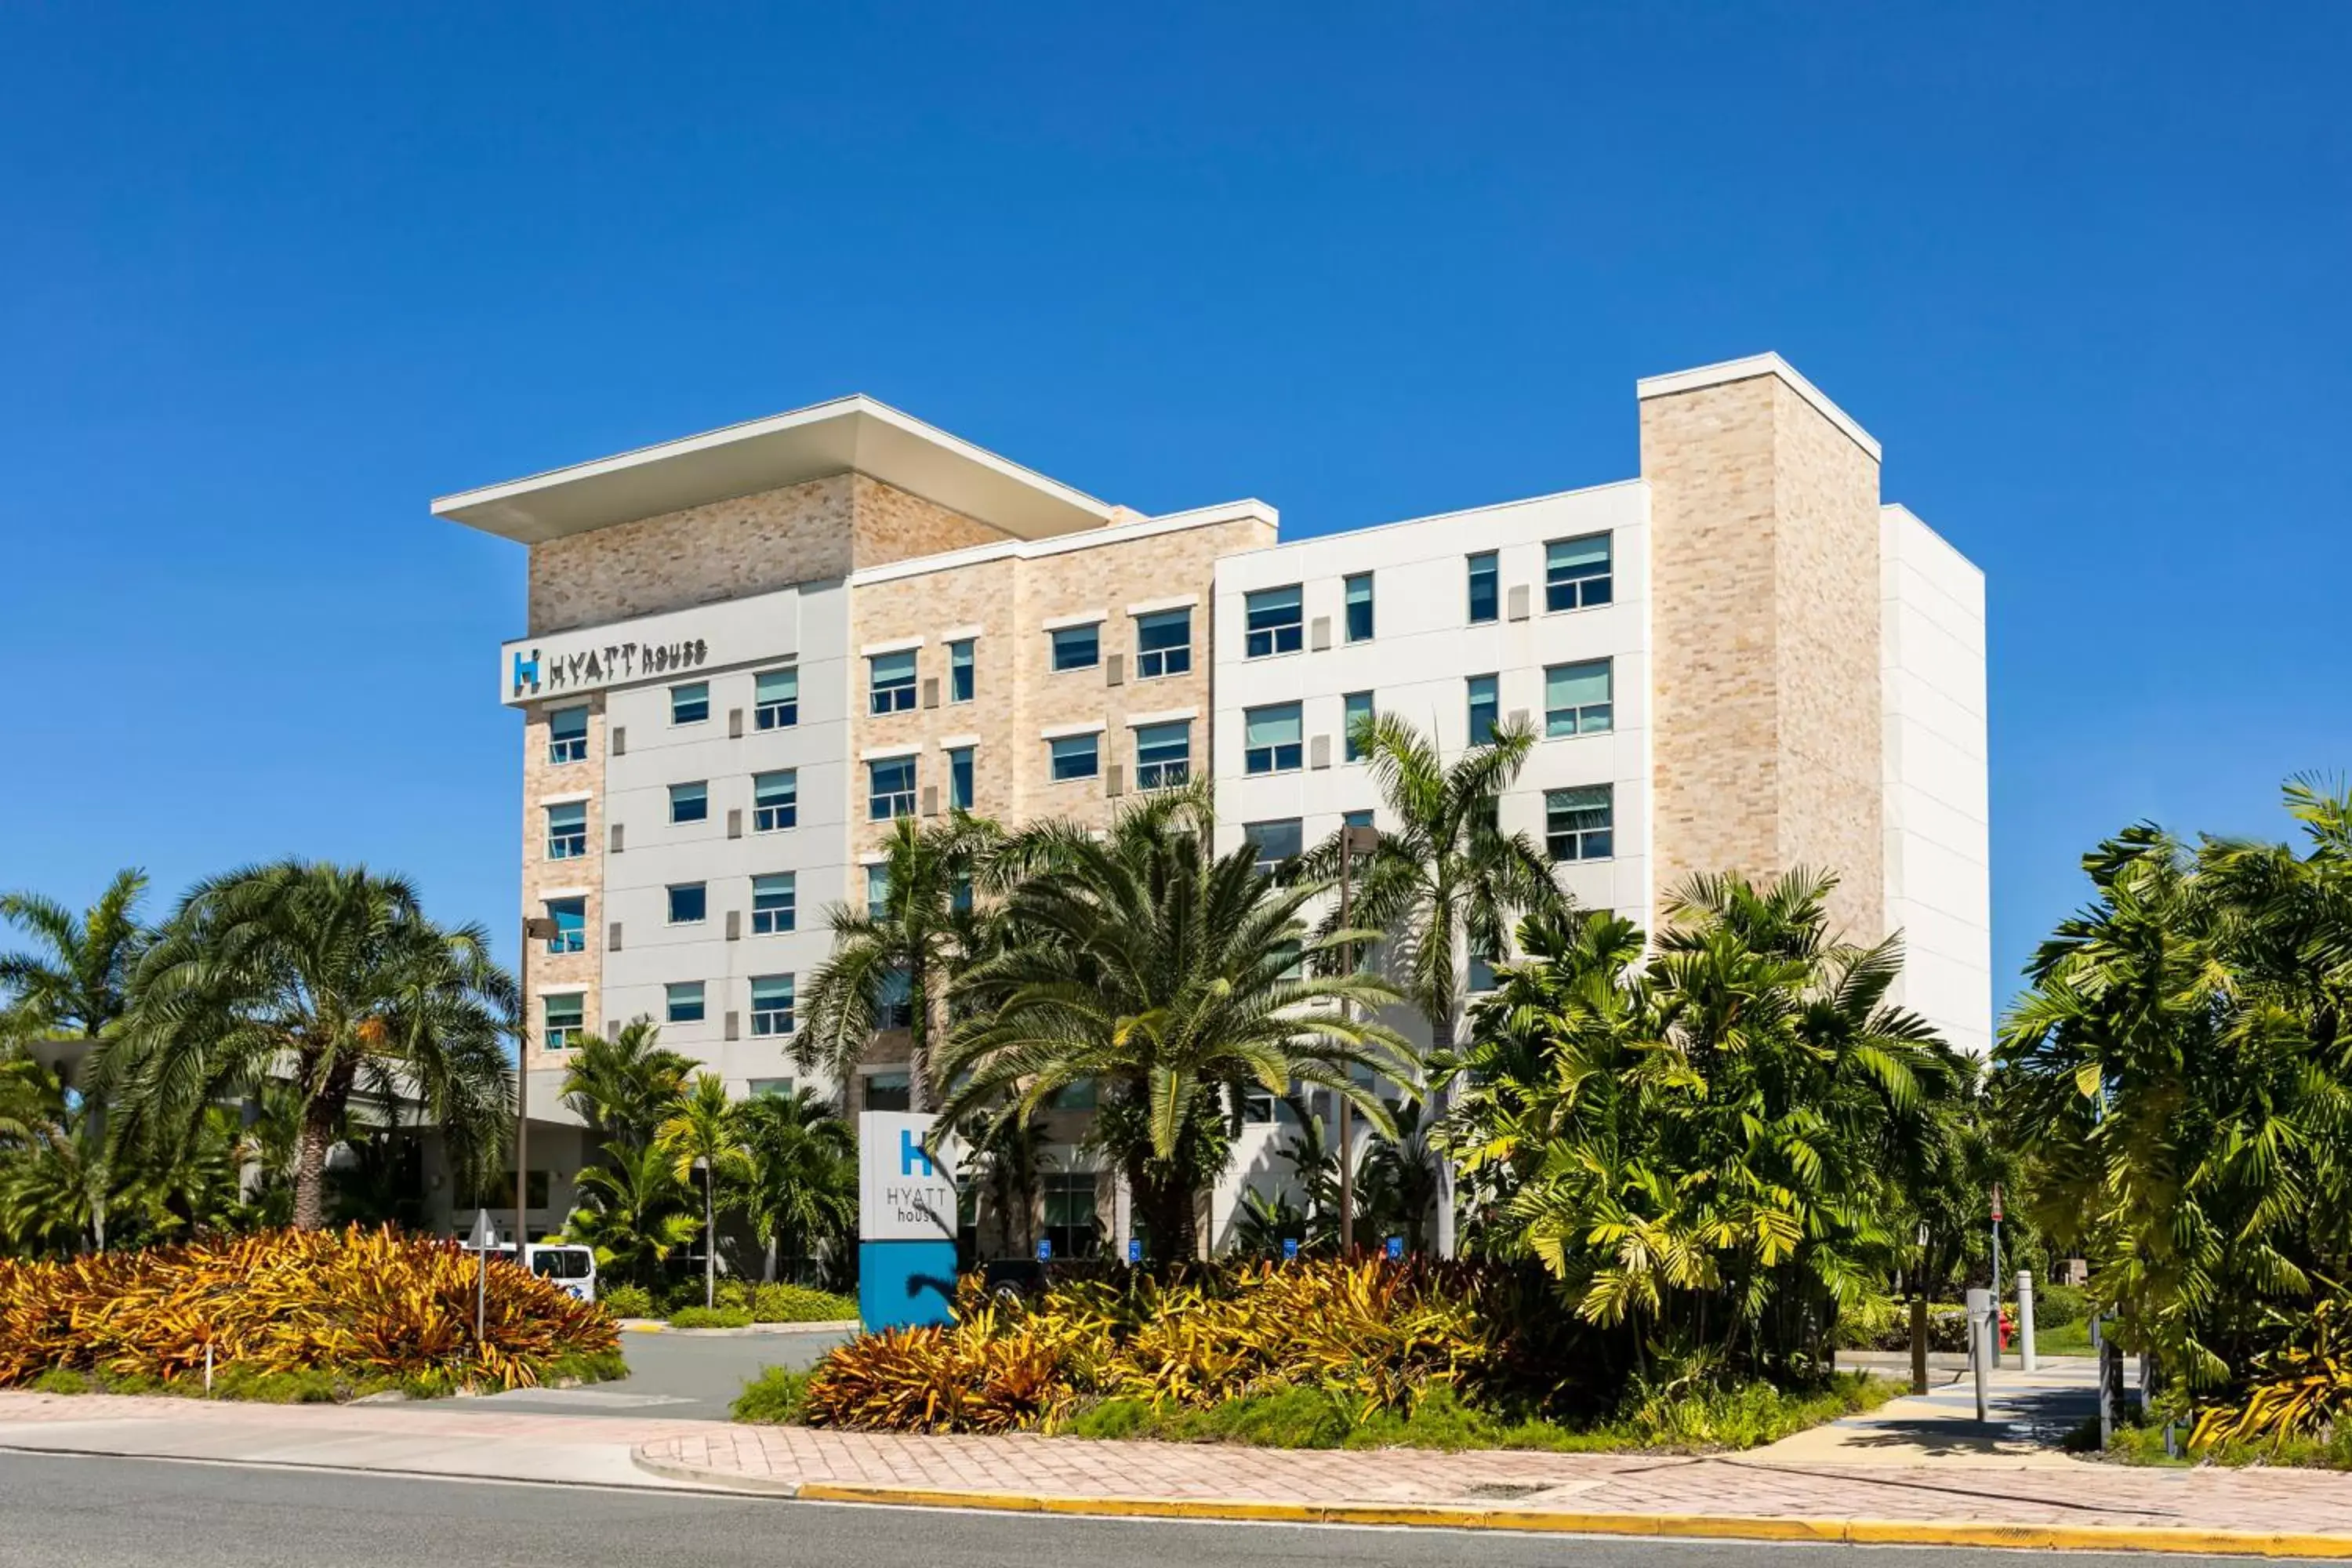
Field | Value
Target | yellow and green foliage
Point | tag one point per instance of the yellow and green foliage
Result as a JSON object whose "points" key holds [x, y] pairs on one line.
{"points": [[370, 1304], [2302, 1390], [1375, 1335]]}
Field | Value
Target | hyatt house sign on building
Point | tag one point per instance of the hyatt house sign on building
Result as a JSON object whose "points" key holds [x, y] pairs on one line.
{"points": [[746, 652]]}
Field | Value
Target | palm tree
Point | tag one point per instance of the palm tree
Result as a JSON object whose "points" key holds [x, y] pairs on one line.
{"points": [[914, 941], [78, 983], [1399, 1184], [704, 1129], [802, 1192], [1009, 1158], [1174, 979], [621, 1087], [631, 1211], [1446, 882], [330, 977]]}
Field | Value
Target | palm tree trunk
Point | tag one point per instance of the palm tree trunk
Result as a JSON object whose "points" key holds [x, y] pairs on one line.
{"points": [[1438, 1102], [928, 1022], [709, 1240], [310, 1169]]}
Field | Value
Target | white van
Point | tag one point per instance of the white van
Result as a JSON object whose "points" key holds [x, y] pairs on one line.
{"points": [[573, 1269]]}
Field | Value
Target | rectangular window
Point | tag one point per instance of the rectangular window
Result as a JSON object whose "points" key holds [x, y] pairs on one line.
{"points": [[1070, 1219], [1273, 624], [890, 789], [1579, 824], [1356, 717], [1357, 818], [1258, 1107], [776, 700], [1483, 708], [878, 890], [960, 779], [1077, 647], [1578, 572], [1357, 591], [772, 1005], [1270, 740], [567, 830], [961, 678], [769, 1087], [689, 802], [1577, 699], [1163, 644], [690, 903], [1076, 757], [1482, 973], [560, 1021], [887, 1091], [775, 801], [571, 917], [1483, 605], [775, 903], [890, 682], [689, 704], [1163, 755], [1271, 843], [567, 735], [683, 1002], [898, 1002]]}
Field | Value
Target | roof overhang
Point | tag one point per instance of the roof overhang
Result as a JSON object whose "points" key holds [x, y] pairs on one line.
{"points": [[849, 434]]}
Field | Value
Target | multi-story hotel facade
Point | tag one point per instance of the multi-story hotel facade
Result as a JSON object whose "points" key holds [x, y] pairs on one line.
{"points": [[746, 652]]}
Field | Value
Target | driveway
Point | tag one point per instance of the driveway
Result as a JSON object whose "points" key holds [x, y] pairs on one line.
{"points": [[688, 1376]]}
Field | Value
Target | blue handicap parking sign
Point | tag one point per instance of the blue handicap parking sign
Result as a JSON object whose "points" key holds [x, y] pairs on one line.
{"points": [[1135, 1249], [1044, 1250], [1396, 1248], [1289, 1247]]}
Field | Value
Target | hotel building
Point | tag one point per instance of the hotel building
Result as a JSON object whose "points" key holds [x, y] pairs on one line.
{"points": [[747, 651]]}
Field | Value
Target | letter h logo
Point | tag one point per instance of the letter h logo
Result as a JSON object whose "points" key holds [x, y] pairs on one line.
{"points": [[910, 1154], [526, 669]]}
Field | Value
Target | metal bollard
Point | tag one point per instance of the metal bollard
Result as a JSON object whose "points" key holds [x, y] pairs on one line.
{"points": [[1918, 1344], [2025, 1319], [1982, 1329]]}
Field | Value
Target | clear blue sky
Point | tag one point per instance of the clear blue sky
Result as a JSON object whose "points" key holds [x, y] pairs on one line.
{"points": [[270, 279]]}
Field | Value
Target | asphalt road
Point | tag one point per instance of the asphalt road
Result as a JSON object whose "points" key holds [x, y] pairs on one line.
{"points": [[691, 1376], [76, 1513]]}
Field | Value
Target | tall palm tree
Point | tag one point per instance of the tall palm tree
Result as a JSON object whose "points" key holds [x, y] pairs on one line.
{"points": [[914, 941], [78, 982], [1445, 883], [631, 1211], [802, 1192], [332, 978], [1010, 1159], [704, 1130], [623, 1087], [1177, 982]]}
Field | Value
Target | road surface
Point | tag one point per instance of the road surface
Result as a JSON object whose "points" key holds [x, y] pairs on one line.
{"points": [[690, 1376]]}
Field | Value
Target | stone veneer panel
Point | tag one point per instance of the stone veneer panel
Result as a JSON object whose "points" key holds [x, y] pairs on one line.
{"points": [[581, 971], [1766, 733], [891, 524]]}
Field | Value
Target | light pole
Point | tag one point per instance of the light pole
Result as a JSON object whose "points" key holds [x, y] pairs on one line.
{"points": [[1353, 839], [1993, 1342], [535, 927]]}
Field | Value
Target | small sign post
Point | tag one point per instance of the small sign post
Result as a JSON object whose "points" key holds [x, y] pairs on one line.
{"points": [[1135, 1249], [483, 1237], [1045, 1249], [1396, 1249], [1290, 1249]]}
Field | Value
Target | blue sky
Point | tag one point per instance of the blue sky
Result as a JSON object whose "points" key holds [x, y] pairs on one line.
{"points": [[272, 278]]}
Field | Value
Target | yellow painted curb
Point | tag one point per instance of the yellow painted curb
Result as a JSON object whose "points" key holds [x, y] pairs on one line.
{"points": [[1729, 1527], [644, 1328]]}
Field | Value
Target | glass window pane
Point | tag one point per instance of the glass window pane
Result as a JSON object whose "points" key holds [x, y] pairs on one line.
{"points": [[684, 1001], [778, 686], [689, 704], [1358, 592], [1271, 843], [689, 802], [1077, 647], [1579, 557], [1076, 757], [960, 779], [959, 671], [1272, 726], [1574, 685], [1356, 710], [1482, 602]]}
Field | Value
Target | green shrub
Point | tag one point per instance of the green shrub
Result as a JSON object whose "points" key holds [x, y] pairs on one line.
{"points": [[59, 1381], [1116, 1418], [773, 1398], [800, 1304], [626, 1301], [2058, 1306], [711, 1318]]}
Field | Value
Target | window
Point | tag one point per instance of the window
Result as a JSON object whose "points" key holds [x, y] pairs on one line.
{"points": [[1077, 647], [887, 1091], [1579, 824], [772, 1005], [890, 789], [571, 917], [567, 830], [689, 802], [1356, 712], [1357, 591], [1356, 818], [1258, 1107], [1578, 572], [775, 903], [1482, 973], [559, 1020], [1163, 755], [1270, 740], [1576, 699], [897, 1011], [775, 801], [1163, 644], [1076, 757], [1271, 843], [1274, 622], [1078, 1095], [690, 903], [769, 1087], [1483, 606], [684, 1000], [776, 700], [567, 735], [959, 785], [890, 682], [878, 890], [1070, 1227], [689, 704], [1483, 708], [960, 675]]}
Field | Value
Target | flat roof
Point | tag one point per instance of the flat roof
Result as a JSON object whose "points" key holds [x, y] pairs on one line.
{"points": [[849, 434]]}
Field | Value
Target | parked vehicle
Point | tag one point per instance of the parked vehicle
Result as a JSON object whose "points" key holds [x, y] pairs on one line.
{"points": [[572, 1267]]}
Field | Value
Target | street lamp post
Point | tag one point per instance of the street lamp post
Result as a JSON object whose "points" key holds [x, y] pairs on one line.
{"points": [[535, 927], [1353, 841]]}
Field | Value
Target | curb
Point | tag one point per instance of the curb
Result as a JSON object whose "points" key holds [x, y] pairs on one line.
{"points": [[655, 1326], [1667, 1526]]}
